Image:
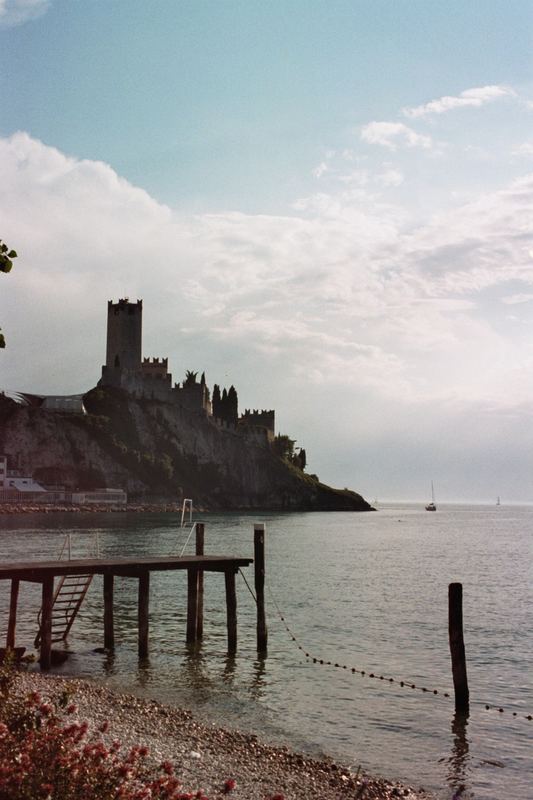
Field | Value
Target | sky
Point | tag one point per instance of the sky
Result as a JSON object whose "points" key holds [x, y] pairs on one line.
{"points": [[327, 204]]}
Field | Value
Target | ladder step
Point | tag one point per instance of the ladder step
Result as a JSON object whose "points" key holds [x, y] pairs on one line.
{"points": [[69, 602]]}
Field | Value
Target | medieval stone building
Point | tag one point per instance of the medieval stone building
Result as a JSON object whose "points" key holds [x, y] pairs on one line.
{"points": [[149, 378]]}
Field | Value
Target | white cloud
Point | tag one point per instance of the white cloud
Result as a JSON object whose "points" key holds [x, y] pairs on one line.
{"points": [[470, 98], [525, 150], [394, 134], [390, 177], [16, 12], [517, 299], [320, 169], [344, 296]]}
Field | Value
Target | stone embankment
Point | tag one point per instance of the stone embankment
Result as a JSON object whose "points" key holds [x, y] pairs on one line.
{"points": [[36, 508]]}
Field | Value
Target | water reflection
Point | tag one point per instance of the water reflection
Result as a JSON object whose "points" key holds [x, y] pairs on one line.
{"points": [[144, 674], [259, 683], [459, 759], [228, 673], [109, 663]]}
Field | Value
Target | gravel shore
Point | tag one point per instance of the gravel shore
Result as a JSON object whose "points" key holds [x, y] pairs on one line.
{"points": [[205, 755]]}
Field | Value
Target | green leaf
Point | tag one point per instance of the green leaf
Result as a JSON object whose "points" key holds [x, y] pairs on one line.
{"points": [[2, 341], [3, 249], [5, 265], [12, 254]]}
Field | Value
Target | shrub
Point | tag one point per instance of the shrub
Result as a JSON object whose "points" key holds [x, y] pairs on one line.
{"points": [[45, 754]]}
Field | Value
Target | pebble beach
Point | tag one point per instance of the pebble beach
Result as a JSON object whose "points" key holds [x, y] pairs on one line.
{"points": [[205, 756]]}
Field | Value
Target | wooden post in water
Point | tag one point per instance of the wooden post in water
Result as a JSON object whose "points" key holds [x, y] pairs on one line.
{"points": [[259, 576], [457, 646], [231, 608], [12, 623], [45, 658], [200, 601], [109, 626], [143, 611], [192, 605]]}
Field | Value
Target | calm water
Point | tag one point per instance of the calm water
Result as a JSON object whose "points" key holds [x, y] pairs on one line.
{"points": [[365, 590]]}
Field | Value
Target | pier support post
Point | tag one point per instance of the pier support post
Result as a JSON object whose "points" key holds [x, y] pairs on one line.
{"points": [[143, 611], [12, 623], [109, 624], [45, 658], [457, 647], [192, 605], [200, 601], [259, 576], [231, 610]]}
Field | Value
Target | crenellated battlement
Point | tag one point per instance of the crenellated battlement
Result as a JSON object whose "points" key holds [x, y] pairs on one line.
{"points": [[159, 362]]}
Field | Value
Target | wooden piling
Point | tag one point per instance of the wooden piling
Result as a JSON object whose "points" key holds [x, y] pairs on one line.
{"points": [[200, 584], [45, 658], [457, 646], [109, 623], [192, 605], [259, 577], [231, 610], [143, 612], [12, 623]]}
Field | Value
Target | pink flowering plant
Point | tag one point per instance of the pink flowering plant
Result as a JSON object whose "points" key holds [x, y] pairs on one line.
{"points": [[45, 754]]}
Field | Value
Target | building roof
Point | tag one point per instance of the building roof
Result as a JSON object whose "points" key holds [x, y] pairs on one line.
{"points": [[72, 403]]}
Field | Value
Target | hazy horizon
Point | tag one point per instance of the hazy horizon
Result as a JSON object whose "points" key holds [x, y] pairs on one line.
{"points": [[327, 205]]}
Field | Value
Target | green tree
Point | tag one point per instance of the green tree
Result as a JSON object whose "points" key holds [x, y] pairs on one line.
{"points": [[190, 378], [284, 446], [232, 406], [6, 263], [216, 401]]}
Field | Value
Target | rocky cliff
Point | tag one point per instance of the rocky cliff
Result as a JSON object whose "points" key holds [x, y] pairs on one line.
{"points": [[157, 451]]}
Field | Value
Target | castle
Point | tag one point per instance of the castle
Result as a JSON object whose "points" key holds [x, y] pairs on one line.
{"points": [[149, 378]]}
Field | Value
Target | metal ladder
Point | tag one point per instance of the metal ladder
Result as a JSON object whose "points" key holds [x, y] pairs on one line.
{"points": [[68, 597]]}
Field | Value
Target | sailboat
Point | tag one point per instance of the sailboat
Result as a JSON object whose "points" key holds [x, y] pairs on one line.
{"points": [[431, 506], [498, 501]]}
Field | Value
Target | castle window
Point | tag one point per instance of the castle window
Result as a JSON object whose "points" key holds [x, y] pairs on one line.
{"points": [[117, 361]]}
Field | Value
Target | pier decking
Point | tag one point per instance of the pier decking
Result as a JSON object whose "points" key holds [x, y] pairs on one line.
{"points": [[44, 572]]}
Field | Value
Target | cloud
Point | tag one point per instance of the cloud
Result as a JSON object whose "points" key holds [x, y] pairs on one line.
{"points": [[320, 169], [470, 98], [394, 134], [524, 150], [517, 299], [390, 177], [346, 301], [16, 12]]}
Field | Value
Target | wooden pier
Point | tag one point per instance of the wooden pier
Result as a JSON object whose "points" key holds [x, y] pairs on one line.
{"points": [[45, 572]]}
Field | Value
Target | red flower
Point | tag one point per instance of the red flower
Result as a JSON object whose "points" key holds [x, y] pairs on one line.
{"points": [[229, 785]]}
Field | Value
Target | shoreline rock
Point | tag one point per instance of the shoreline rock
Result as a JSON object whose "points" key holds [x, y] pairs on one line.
{"points": [[206, 755]]}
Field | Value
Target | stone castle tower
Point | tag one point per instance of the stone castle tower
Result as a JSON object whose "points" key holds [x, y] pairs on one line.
{"points": [[124, 334]]}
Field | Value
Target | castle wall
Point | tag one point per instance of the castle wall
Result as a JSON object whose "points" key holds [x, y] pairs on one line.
{"points": [[156, 368], [259, 419]]}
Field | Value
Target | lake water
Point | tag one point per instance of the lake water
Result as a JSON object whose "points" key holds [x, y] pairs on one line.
{"points": [[367, 591]]}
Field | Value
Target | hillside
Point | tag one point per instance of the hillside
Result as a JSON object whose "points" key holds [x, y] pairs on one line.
{"points": [[159, 452]]}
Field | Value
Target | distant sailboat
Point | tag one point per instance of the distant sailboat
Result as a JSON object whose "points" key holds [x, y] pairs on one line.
{"points": [[498, 501], [431, 506]]}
